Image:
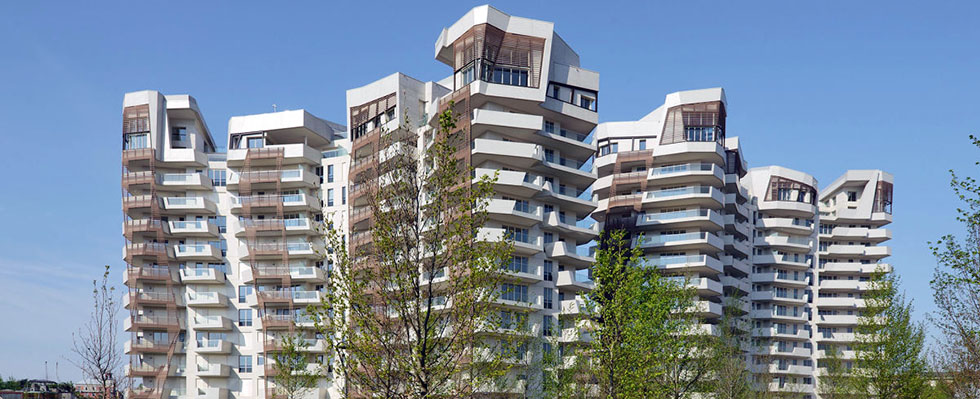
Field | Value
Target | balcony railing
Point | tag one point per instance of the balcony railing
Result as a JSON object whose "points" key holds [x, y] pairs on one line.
{"points": [[665, 238], [675, 215], [662, 261], [674, 192], [690, 167]]}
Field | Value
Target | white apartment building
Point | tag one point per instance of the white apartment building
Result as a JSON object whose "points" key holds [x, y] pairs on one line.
{"points": [[222, 251], [676, 178], [223, 255]]}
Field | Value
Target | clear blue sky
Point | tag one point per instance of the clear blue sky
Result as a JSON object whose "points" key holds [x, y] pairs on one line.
{"points": [[815, 86]]}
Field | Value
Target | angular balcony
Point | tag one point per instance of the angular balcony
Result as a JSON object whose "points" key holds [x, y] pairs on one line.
{"points": [[267, 179], [703, 286], [533, 302], [834, 337], [792, 316], [783, 242], [795, 226], [569, 198], [185, 181], [306, 297], [150, 346], [210, 323], [193, 228], [790, 209], [509, 182], [573, 308], [153, 322], [568, 228], [147, 370], [701, 264], [141, 180], [514, 125], [269, 203], [837, 319], [797, 279], [197, 252], [737, 246], [702, 219], [149, 298], [699, 241], [202, 276], [567, 255], [147, 274], [706, 309], [840, 303], [743, 266], [313, 345], [183, 205], [736, 226], [139, 203], [791, 261], [785, 333], [277, 321], [275, 250], [275, 297], [740, 285], [140, 156], [514, 213], [207, 299], [706, 174], [791, 298], [693, 196], [567, 282], [844, 285], [208, 393], [523, 245], [525, 273], [212, 346], [139, 229], [858, 251], [518, 155], [861, 233], [152, 252], [275, 227], [212, 370], [266, 156]]}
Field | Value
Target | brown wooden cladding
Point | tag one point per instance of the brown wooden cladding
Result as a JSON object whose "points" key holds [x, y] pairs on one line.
{"points": [[698, 114], [136, 119], [497, 47]]}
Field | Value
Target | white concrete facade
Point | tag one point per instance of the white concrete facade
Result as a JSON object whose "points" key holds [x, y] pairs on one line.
{"points": [[222, 248], [799, 258]]}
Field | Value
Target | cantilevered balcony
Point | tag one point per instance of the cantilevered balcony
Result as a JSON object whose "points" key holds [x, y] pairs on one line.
{"points": [[151, 298], [197, 252], [265, 157], [693, 196], [193, 228], [701, 219], [793, 279], [791, 261], [269, 203], [509, 182], [784, 242], [150, 346], [210, 323], [154, 322], [796, 226], [836, 319], [207, 299], [794, 332], [212, 370], [139, 229], [146, 274], [182, 205], [213, 346], [567, 255], [202, 276], [688, 174], [567, 281], [148, 251], [700, 241], [573, 308], [185, 181], [701, 264], [846, 285], [274, 250], [267, 179], [512, 212]]}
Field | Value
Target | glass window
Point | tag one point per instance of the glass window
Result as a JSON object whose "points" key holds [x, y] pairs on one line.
{"points": [[245, 317], [549, 127], [643, 144], [329, 173], [256, 142], [135, 141], [243, 292], [329, 197], [244, 363], [343, 195], [548, 304], [218, 177], [178, 137]]}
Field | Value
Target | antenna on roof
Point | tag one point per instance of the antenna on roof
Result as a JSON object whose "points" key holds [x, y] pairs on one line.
{"points": [[273, 108]]}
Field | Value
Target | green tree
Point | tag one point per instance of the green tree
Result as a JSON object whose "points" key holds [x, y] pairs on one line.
{"points": [[293, 375], [731, 374], [890, 363], [835, 380], [642, 325], [408, 308], [956, 292]]}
